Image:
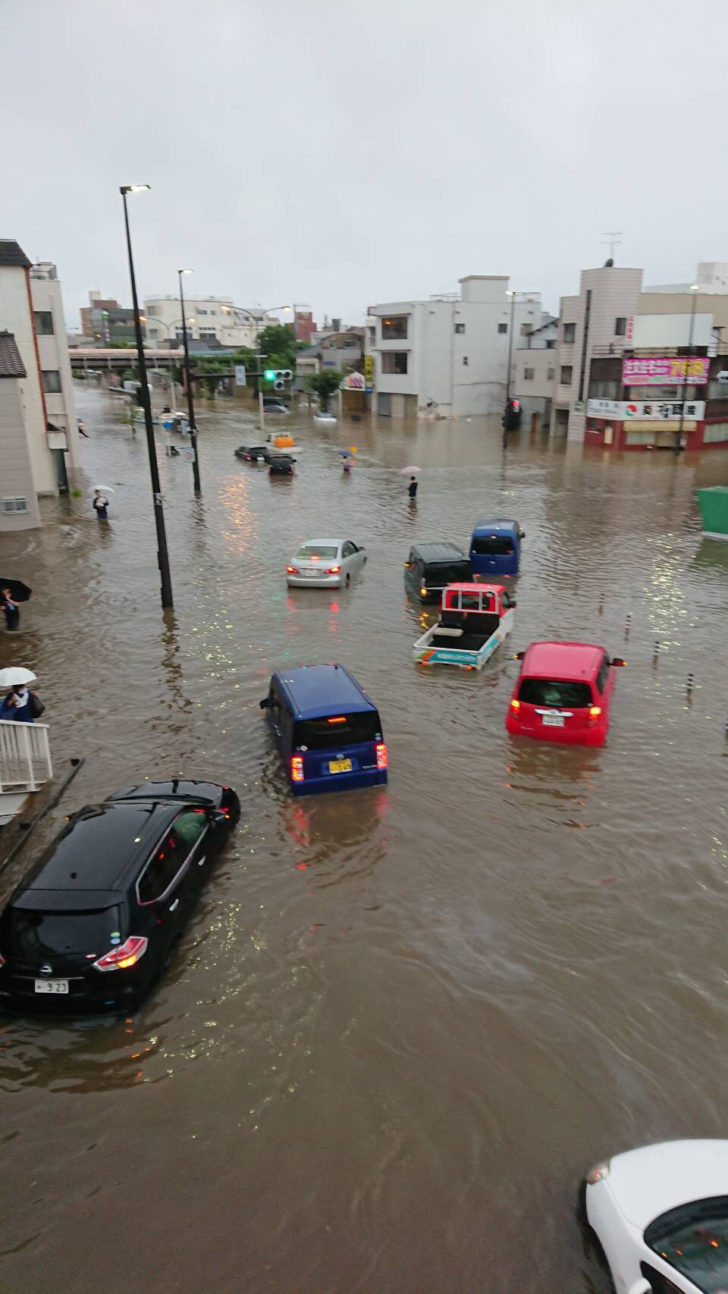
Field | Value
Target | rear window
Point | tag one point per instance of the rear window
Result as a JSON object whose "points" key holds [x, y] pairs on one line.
{"points": [[28, 934], [554, 692], [438, 574], [323, 734], [325, 551], [491, 545]]}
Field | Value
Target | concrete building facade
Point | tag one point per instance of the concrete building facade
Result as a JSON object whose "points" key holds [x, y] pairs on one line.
{"points": [[208, 319], [31, 311], [449, 355]]}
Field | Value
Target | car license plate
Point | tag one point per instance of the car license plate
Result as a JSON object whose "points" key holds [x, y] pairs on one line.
{"points": [[51, 986], [553, 720], [340, 766]]}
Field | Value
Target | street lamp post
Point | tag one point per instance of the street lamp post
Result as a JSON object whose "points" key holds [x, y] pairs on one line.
{"points": [[162, 553], [694, 288], [188, 384]]}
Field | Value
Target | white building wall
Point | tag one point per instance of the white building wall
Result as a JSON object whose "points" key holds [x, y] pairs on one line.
{"points": [[16, 317], [17, 473], [615, 293], [53, 351], [213, 316]]}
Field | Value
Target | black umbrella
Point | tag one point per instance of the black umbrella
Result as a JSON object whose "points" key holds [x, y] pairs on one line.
{"points": [[18, 591]]}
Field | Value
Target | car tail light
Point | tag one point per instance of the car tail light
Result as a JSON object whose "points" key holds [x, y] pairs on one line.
{"points": [[382, 755], [292, 570], [594, 712], [339, 718], [297, 768], [333, 570], [127, 954], [597, 1174], [515, 705], [2, 960]]}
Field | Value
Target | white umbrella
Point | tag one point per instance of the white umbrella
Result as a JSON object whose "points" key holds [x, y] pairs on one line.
{"points": [[107, 489], [409, 471], [14, 675]]}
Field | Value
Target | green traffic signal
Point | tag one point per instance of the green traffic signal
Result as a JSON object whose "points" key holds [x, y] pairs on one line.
{"points": [[270, 375]]}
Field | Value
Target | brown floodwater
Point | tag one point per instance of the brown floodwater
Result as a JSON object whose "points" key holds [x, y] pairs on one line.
{"points": [[403, 1021]]}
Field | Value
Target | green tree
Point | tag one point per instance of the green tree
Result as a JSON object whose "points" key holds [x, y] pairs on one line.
{"points": [[278, 343], [324, 384]]}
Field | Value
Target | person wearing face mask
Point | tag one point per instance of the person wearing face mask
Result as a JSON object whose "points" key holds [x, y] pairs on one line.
{"points": [[22, 705]]}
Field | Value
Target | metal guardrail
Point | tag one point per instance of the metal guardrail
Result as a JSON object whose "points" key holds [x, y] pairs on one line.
{"points": [[25, 757]]}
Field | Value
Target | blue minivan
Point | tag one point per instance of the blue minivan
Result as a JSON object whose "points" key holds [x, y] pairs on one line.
{"points": [[495, 548], [327, 729]]}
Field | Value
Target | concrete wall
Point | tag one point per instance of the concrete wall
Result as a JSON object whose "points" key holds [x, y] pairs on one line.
{"points": [[17, 472], [16, 317], [53, 351], [542, 364]]}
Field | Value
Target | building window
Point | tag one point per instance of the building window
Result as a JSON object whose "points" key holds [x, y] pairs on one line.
{"points": [[620, 326], [207, 332], [152, 333], [569, 333], [51, 380], [15, 505], [567, 374], [202, 312], [395, 329], [43, 323], [528, 374], [502, 327], [551, 343], [179, 334], [460, 327], [465, 360], [550, 374], [394, 361]]}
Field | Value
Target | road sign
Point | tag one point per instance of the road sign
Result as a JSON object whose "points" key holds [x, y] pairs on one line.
{"points": [[189, 454], [240, 375]]}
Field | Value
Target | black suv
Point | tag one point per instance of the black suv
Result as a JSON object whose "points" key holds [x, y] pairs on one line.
{"points": [[96, 919]]}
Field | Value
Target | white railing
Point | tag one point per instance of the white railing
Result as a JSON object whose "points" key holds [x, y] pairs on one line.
{"points": [[25, 757]]}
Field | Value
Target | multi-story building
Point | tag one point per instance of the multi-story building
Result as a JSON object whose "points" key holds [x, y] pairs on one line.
{"points": [[208, 319], [450, 354], [535, 370], [40, 447], [103, 320]]}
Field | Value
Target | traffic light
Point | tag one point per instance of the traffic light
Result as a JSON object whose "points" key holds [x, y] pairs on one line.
{"points": [[278, 376], [270, 375]]}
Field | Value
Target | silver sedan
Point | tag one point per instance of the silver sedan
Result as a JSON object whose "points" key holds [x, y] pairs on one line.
{"points": [[325, 563]]}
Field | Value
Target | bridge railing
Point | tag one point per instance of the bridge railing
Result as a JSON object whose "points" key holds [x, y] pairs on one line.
{"points": [[25, 757]]}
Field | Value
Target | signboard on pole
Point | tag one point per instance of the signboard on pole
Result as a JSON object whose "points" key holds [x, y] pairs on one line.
{"points": [[646, 410], [369, 371], [240, 375]]}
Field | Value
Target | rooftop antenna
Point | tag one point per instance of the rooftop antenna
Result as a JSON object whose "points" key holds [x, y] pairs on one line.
{"points": [[612, 238]]}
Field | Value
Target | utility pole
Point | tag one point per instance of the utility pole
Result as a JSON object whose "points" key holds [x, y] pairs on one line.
{"points": [[694, 287], [162, 552], [261, 406], [188, 384]]}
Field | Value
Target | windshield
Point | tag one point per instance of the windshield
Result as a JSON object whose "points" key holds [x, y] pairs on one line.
{"points": [[39, 934], [492, 544], [314, 551], [337, 731], [438, 574], [694, 1239], [554, 692]]}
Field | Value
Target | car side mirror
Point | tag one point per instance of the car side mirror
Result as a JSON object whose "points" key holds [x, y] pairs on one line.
{"points": [[265, 703], [521, 534], [617, 660], [217, 815], [512, 603], [407, 565], [642, 1286], [519, 655]]}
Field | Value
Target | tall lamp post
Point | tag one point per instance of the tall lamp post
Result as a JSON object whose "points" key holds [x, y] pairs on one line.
{"points": [[694, 288], [162, 553], [188, 384]]}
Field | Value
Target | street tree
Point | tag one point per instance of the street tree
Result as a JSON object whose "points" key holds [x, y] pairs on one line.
{"points": [[324, 384]]}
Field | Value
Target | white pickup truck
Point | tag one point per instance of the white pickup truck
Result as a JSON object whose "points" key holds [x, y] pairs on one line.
{"points": [[474, 620]]}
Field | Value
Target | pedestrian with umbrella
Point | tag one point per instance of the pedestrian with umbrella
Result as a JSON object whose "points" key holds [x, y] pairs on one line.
{"points": [[19, 703], [11, 593], [100, 501]]}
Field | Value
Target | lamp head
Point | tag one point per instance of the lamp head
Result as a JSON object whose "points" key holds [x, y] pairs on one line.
{"points": [[185, 271], [134, 188]]}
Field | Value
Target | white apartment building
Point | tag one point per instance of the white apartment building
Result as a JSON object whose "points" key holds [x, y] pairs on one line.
{"points": [[535, 370], [38, 445], [450, 354], [208, 319]]}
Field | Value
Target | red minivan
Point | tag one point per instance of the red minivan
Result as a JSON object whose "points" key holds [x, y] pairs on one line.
{"points": [[563, 693]]}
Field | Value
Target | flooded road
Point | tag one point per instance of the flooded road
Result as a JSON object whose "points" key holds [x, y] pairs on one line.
{"points": [[403, 1021]]}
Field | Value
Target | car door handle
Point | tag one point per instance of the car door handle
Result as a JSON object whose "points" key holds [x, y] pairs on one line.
{"points": [[201, 861], [174, 905]]}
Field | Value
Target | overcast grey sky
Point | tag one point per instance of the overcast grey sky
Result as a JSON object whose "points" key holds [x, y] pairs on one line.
{"points": [[342, 154]]}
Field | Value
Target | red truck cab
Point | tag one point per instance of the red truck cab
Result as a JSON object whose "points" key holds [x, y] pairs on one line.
{"points": [[563, 693]]}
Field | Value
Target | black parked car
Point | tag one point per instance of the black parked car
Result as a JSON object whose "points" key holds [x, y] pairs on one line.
{"points": [[280, 465], [97, 918], [253, 453]]}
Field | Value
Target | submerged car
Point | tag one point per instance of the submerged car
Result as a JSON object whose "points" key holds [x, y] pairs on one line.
{"points": [[660, 1214], [563, 693], [253, 453], [96, 919], [325, 563]]}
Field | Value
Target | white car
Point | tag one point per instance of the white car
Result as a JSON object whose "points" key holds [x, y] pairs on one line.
{"points": [[660, 1214], [325, 563]]}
